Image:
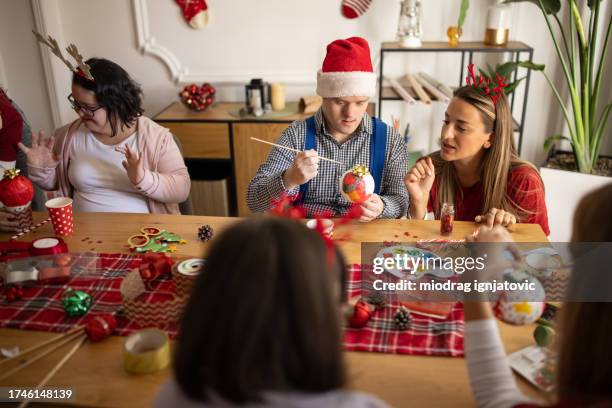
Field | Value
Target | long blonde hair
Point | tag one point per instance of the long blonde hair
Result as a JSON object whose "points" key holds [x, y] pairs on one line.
{"points": [[498, 160]]}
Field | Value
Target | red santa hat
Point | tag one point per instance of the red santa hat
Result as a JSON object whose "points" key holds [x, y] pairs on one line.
{"points": [[347, 70]]}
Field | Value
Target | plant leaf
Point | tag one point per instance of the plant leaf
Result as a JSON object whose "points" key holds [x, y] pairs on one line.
{"points": [[506, 68], [550, 140], [550, 6], [511, 87], [592, 3], [465, 4], [531, 65]]}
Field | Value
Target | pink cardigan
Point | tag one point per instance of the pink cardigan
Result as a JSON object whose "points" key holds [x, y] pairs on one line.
{"points": [[166, 181]]}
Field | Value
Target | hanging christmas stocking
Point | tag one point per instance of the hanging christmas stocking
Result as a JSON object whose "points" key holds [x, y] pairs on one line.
{"points": [[195, 12], [355, 8]]}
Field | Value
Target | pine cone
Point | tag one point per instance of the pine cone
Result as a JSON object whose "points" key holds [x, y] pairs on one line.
{"points": [[402, 318], [205, 232], [377, 299]]}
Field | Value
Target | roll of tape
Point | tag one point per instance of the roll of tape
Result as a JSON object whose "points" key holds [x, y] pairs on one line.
{"points": [[146, 351], [191, 267]]}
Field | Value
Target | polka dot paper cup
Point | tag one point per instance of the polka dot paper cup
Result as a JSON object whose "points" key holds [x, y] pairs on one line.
{"points": [[60, 211]]}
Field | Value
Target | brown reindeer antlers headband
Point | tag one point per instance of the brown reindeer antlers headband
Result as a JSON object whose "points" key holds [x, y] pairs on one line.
{"points": [[81, 69]]}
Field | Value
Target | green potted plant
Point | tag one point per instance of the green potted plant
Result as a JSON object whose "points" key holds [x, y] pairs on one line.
{"points": [[586, 115]]}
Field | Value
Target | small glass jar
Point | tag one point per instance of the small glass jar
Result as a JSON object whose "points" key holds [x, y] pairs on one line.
{"points": [[498, 23], [447, 216]]}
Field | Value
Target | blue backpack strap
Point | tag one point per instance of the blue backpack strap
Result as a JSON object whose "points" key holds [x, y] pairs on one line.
{"points": [[378, 149], [309, 143]]}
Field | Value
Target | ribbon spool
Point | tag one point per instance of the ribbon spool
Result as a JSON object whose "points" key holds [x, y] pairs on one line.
{"points": [[146, 351], [185, 273], [48, 246]]}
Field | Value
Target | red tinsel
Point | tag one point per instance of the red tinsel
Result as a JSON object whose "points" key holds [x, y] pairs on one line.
{"points": [[198, 98], [287, 206]]}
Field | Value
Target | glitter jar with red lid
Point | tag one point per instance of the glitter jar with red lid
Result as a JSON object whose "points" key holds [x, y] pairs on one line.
{"points": [[447, 216]]}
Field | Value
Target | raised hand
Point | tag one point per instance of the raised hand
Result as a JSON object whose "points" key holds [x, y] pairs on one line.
{"points": [[419, 181], [41, 153], [133, 164]]}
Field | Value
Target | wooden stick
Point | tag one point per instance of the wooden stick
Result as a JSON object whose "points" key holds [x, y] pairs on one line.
{"points": [[44, 343], [57, 367], [295, 150], [418, 89], [35, 227], [41, 355]]}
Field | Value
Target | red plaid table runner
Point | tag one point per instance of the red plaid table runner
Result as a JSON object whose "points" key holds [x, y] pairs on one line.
{"points": [[41, 306], [425, 336], [41, 309]]}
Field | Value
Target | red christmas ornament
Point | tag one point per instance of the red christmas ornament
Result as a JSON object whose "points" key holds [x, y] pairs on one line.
{"points": [[198, 98], [360, 315], [100, 326], [15, 190]]}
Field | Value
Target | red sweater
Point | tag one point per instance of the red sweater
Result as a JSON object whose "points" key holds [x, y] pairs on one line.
{"points": [[12, 127], [525, 188]]}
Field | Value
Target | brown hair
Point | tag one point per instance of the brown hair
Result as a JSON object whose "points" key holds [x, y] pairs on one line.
{"points": [[585, 356], [498, 160], [264, 315]]}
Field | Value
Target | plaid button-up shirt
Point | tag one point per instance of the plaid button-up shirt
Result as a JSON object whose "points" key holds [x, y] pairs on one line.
{"points": [[324, 190]]}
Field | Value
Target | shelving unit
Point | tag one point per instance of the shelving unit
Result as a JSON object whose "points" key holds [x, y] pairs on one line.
{"points": [[467, 49]]}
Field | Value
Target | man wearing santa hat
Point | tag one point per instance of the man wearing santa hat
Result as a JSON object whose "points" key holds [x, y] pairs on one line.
{"points": [[340, 130]]}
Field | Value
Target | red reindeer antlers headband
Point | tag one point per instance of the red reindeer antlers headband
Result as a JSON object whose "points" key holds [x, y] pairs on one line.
{"points": [[494, 90]]}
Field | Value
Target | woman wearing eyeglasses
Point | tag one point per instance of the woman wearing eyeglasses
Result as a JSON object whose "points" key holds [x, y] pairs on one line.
{"points": [[111, 159]]}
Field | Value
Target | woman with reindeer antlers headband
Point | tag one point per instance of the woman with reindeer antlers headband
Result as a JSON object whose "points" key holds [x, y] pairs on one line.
{"points": [[111, 159], [478, 168]]}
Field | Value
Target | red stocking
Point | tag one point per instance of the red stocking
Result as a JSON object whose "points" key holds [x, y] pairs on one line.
{"points": [[195, 12]]}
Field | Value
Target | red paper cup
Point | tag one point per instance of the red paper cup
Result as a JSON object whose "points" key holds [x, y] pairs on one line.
{"points": [[60, 211], [23, 216]]}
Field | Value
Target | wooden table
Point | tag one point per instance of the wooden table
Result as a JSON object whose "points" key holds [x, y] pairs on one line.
{"points": [[96, 372]]}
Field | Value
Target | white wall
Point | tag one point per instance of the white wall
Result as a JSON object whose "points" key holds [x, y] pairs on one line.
{"points": [[21, 72], [274, 39]]}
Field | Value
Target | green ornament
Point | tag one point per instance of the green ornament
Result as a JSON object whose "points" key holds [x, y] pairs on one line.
{"points": [[76, 302], [544, 335]]}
